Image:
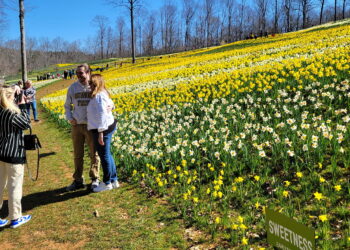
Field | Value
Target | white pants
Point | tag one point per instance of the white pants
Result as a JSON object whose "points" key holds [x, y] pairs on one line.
{"points": [[11, 175]]}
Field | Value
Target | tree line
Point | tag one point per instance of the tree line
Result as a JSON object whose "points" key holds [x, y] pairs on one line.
{"points": [[176, 26]]}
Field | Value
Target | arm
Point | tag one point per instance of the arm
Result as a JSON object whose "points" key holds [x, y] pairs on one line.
{"points": [[21, 121], [68, 106], [100, 138]]}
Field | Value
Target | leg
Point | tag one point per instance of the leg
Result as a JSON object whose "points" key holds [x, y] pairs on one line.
{"points": [[15, 183], [104, 159], [94, 157], [78, 149], [112, 168], [3, 181], [35, 112], [28, 109]]}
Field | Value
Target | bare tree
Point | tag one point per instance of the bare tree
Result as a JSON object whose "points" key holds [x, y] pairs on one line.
{"points": [[242, 14], [102, 26], [168, 22], [131, 5], [322, 2], [335, 10], [110, 45], [209, 13], [149, 35], [120, 35], [344, 6], [275, 17], [262, 12], [229, 8], [31, 46], [188, 12], [287, 6], [305, 7]]}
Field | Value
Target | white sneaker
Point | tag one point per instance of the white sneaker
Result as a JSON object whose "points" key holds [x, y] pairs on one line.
{"points": [[115, 184], [102, 187], [95, 183]]}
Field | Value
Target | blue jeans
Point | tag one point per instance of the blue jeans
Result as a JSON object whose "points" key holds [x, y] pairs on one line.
{"points": [[33, 105], [107, 161]]}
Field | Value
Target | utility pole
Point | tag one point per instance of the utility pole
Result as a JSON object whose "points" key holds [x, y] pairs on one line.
{"points": [[23, 41]]}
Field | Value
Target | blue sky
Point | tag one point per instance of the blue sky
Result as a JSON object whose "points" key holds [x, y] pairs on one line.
{"points": [[69, 19]]}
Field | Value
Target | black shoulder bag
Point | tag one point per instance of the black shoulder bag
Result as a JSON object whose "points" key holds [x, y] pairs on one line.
{"points": [[31, 142]]}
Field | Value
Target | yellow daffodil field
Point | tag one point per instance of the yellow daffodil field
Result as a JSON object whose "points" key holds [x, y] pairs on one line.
{"points": [[228, 131]]}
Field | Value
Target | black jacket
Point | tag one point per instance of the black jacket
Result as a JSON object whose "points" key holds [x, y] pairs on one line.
{"points": [[11, 135]]}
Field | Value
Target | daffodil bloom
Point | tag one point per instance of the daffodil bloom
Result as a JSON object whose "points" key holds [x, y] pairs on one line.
{"points": [[337, 187], [285, 193], [299, 174], [217, 220], [323, 217], [257, 178], [244, 241], [257, 205], [287, 183], [322, 179], [318, 196], [239, 179]]}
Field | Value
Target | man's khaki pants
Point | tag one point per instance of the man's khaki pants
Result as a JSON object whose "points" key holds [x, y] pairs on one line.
{"points": [[11, 175], [80, 135]]}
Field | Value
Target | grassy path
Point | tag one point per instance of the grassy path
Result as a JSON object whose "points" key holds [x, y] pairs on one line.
{"points": [[122, 219]]}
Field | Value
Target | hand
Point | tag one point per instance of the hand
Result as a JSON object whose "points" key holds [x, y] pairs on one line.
{"points": [[73, 122], [100, 138], [109, 108]]}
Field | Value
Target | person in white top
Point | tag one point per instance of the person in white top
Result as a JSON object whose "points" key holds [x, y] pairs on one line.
{"points": [[102, 124]]}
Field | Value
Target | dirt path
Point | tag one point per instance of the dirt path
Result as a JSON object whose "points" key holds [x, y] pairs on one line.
{"points": [[124, 218]]}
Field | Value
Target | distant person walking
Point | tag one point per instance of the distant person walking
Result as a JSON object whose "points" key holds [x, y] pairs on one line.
{"points": [[70, 73], [13, 120], [102, 124], [29, 93], [78, 98]]}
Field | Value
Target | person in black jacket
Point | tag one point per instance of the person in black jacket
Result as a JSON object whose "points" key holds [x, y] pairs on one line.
{"points": [[13, 120]]}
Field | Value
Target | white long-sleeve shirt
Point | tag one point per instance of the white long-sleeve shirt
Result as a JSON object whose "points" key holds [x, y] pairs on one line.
{"points": [[78, 97], [99, 116]]}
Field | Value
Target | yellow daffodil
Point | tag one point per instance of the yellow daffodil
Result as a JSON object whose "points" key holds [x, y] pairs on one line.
{"points": [[318, 196], [323, 217], [244, 241]]}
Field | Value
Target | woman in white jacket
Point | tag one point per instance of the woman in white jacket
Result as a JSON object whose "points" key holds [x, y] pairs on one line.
{"points": [[102, 124]]}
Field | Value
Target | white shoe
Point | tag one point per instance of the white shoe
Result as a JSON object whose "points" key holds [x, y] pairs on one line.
{"points": [[115, 184], [102, 187], [95, 183]]}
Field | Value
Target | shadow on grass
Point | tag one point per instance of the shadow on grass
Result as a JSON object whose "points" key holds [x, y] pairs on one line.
{"points": [[32, 201], [47, 154]]}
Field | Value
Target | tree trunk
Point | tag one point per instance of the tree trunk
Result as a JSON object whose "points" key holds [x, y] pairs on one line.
{"points": [[275, 25], [23, 41], [321, 12], [132, 31], [335, 10]]}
